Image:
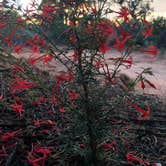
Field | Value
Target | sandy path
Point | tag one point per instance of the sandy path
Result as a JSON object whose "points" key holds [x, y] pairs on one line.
{"points": [[158, 66]]}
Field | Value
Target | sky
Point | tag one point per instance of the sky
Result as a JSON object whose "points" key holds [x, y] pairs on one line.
{"points": [[158, 5]]}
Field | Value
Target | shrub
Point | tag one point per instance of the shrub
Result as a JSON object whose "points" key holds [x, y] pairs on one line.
{"points": [[64, 117]]}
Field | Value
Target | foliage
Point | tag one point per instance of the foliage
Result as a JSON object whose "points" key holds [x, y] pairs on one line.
{"points": [[159, 32], [61, 117]]}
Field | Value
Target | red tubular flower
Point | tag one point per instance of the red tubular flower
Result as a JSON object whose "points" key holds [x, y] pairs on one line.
{"points": [[21, 84], [33, 60], [35, 48], [124, 33], [62, 109], [46, 59], [148, 32], [9, 135], [131, 157], [104, 48], [1, 96], [7, 40], [47, 10], [29, 10], [120, 44], [142, 84], [73, 95], [151, 50], [128, 61], [18, 48], [82, 146], [63, 77], [2, 25], [145, 113], [21, 20], [17, 68], [34, 156], [42, 99], [45, 151], [106, 29], [109, 146], [151, 84], [124, 13], [99, 63], [76, 55], [46, 122], [18, 108]]}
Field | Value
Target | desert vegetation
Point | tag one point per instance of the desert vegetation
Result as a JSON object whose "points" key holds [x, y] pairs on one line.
{"points": [[64, 99]]}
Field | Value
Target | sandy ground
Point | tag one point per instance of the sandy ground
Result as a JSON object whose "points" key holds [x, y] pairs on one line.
{"points": [[141, 61], [158, 66]]}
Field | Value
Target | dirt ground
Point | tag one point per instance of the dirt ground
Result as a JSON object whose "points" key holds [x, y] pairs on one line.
{"points": [[141, 61], [158, 66]]}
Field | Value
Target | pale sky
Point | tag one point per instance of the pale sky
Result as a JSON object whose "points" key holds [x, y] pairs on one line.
{"points": [[159, 7]]}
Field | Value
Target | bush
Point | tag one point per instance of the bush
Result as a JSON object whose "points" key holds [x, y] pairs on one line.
{"points": [[71, 117], [159, 36]]}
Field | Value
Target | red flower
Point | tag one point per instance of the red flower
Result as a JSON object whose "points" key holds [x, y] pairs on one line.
{"points": [[128, 61], [2, 25], [33, 5], [76, 55], [17, 68], [109, 146], [21, 84], [33, 60], [7, 40], [29, 11], [82, 146], [106, 28], [42, 42], [1, 96], [45, 151], [18, 48], [142, 84], [145, 114], [46, 122], [104, 48], [35, 48], [62, 109], [8, 135], [63, 77], [151, 84], [124, 33], [124, 13], [18, 108], [120, 44], [148, 32], [151, 50], [47, 59], [42, 99], [99, 63], [131, 157], [72, 95], [21, 20], [34, 156], [47, 10]]}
